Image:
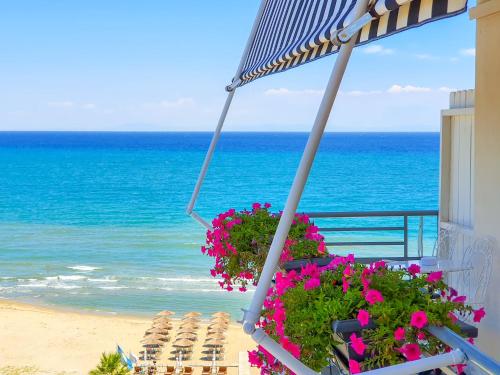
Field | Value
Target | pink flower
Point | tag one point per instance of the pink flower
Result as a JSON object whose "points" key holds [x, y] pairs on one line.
{"points": [[321, 247], [471, 340], [254, 359], [363, 317], [242, 289], [410, 351], [354, 366], [345, 284], [459, 299], [414, 269], [267, 205], [312, 283], [460, 369], [419, 319], [256, 207], [453, 317], [373, 296], [357, 344], [290, 347], [399, 334], [434, 276], [479, 314], [421, 336]]}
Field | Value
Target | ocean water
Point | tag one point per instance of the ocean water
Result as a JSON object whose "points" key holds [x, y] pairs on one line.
{"points": [[95, 221]]}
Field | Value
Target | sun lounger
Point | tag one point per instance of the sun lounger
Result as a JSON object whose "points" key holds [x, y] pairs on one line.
{"points": [[222, 371], [170, 370], [187, 371], [207, 370]]}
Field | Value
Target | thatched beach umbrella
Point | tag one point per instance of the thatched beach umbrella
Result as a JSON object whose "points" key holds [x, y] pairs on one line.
{"points": [[151, 341], [221, 314], [190, 319], [187, 335], [192, 314], [214, 343], [182, 343], [216, 335], [220, 330], [164, 319], [189, 325], [165, 313], [158, 330], [218, 326], [162, 325], [156, 336], [219, 320]]}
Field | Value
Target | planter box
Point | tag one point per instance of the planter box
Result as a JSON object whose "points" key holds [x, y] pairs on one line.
{"points": [[299, 263], [342, 329]]}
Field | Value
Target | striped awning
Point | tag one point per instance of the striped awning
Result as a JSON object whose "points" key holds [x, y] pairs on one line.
{"points": [[295, 32]]}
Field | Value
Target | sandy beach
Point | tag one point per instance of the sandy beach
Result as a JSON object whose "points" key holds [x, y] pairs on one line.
{"points": [[40, 340]]}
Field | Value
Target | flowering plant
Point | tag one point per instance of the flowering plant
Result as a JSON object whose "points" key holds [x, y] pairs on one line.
{"points": [[240, 241], [393, 305]]}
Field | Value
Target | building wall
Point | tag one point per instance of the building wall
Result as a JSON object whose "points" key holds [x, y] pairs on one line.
{"points": [[487, 156]]}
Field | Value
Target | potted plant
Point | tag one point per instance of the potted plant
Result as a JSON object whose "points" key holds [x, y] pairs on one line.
{"points": [[240, 241], [372, 315]]}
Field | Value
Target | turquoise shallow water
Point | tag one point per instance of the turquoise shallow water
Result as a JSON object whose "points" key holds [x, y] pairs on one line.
{"points": [[96, 221]]}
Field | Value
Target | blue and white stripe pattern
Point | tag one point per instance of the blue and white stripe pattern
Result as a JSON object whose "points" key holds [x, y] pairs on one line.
{"points": [[294, 32]]}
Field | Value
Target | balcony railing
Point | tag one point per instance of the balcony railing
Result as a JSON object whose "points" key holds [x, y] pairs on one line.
{"points": [[392, 225]]}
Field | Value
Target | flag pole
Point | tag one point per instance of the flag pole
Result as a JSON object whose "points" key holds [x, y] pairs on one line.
{"points": [[222, 119]]}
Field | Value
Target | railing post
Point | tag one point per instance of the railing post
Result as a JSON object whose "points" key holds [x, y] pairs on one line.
{"points": [[405, 236], [421, 237]]}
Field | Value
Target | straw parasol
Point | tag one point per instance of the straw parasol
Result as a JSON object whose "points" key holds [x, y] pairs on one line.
{"points": [[161, 319], [222, 314], [218, 326], [190, 319], [216, 335], [155, 336], [192, 314], [216, 330], [158, 330], [214, 343], [219, 320], [183, 343], [189, 325], [162, 325], [165, 313], [187, 335]]}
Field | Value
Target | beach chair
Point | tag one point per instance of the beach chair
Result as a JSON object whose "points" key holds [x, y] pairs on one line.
{"points": [[170, 370], [206, 370], [187, 370], [222, 370]]}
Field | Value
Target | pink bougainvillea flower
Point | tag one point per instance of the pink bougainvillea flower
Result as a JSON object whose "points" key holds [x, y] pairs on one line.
{"points": [[373, 296], [242, 289], [354, 366], [459, 299], [267, 205], [363, 317], [453, 317], [399, 334], [421, 336], [434, 276], [256, 206], [418, 319], [460, 369], [321, 248], [345, 284], [414, 269], [410, 351], [471, 340], [290, 347], [254, 359], [357, 344], [312, 283], [479, 314]]}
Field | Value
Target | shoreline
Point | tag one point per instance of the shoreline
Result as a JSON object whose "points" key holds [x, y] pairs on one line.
{"points": [[38, 339]]}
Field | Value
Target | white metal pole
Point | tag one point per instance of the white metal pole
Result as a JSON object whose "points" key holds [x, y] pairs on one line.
{"points": [[223, 115], [253, 313]]}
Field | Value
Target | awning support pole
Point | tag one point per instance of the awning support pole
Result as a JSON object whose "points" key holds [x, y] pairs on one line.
{"points": [[222, 119], [252, 315]]}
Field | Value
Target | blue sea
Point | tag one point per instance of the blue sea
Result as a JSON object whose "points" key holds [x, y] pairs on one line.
{"points": [[96, 221]]}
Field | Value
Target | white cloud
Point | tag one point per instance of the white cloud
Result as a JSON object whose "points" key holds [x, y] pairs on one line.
{"points": [[468, 52], [446, 89], [61, 104], [177, 103], [361, 93], [89, 106], [398, 89], [377, 49], [426, 56], [287, 92]]}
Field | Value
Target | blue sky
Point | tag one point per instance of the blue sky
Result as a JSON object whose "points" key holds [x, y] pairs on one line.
{"points": [[162, 65]]}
